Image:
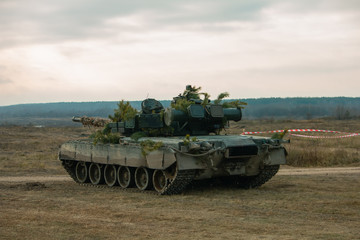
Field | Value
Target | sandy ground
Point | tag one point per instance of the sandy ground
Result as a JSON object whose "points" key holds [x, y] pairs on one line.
{"points": [[39, 201], [285, 171], [317, 171], [314, 203]]}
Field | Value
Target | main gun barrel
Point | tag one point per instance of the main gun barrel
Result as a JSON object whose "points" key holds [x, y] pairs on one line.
{"points": [[91, 121], [76, 119]]}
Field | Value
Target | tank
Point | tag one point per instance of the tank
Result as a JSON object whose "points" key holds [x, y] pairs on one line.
{"points": [[166, 150]]}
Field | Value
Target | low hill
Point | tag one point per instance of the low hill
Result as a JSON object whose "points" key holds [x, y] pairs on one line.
{"points": [[55, 114]]}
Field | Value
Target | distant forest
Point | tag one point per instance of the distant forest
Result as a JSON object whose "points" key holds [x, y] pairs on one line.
{"points": [[51, 114]]}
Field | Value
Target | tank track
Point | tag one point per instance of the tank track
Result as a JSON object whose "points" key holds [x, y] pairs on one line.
{"points": [[70, 169], [176, 186], [256, 181]]}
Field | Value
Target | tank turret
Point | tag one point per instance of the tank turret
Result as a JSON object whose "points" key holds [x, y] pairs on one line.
{"points": [[195, 119]]}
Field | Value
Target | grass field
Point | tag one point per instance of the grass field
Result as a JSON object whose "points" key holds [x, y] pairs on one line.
{"points": [[310, 152], [32, 149], [25, 150], [287, 207]]}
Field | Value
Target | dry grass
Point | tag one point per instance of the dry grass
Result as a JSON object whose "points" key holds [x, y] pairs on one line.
{"points": [[29, 149], [32, 149], [306, 152], [24, 150], [287, 207]]}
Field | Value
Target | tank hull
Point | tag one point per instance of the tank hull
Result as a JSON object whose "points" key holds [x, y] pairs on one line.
{"points": [[233, 157]]}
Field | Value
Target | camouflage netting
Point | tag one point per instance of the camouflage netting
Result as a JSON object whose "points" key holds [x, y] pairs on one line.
{"points": [[125, 112], [93, 121], [192, 94]]}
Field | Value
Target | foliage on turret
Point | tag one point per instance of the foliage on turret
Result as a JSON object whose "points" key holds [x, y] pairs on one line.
{"points": [[193, 95], [105, 136], [191, 112], [124, 112]]}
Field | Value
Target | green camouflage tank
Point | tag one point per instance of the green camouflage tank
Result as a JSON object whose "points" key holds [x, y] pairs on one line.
{"points": [[167, 149]]}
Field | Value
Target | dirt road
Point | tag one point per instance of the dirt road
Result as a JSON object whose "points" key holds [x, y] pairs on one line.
{"points": [[285, 171], [317, 171], [314, 203]]}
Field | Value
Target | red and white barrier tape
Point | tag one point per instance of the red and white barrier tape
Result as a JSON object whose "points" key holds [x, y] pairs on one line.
{"points": [[308, 136], [345, 134]]}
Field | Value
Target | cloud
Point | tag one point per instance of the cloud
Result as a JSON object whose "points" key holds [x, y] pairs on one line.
{"points": [[3, 78], [67, 20], [88, 47], [4, 81]]}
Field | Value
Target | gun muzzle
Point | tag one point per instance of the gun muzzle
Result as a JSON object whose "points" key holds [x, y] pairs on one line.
{"points": [[76, 119]]}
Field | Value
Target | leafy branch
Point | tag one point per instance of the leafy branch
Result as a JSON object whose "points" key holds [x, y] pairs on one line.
{"points": [[124, 112]]}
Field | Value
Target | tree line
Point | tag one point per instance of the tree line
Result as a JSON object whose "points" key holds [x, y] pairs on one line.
{"points": [[258, 108]]}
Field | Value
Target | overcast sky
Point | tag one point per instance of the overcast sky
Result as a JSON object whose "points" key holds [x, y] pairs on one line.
{"points": [[92, 50]]}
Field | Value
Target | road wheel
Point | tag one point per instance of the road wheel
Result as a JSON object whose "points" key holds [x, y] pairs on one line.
{"points": [[143, 178], [81, 172], [110, 175], [160, 180], [125, 176], [95, 173]]}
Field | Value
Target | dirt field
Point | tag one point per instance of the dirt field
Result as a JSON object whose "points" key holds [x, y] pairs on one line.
{"points": [[290, 206], [38, 200]]}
